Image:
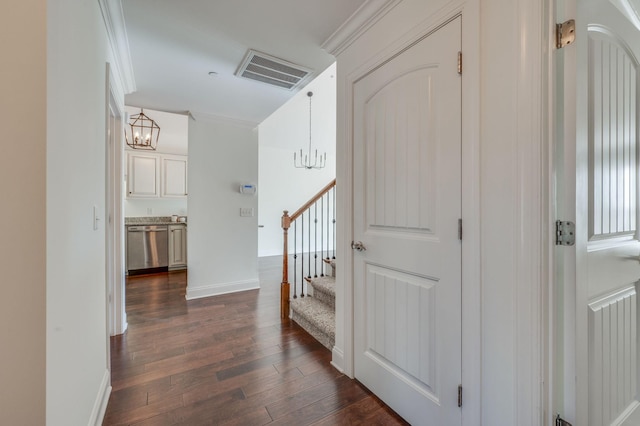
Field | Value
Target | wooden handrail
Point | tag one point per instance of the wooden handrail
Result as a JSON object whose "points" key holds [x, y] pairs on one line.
{"points": [[312, 200], [285, 286]]}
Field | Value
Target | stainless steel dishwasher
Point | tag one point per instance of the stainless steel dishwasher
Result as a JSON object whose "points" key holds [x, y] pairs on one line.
{"points": [[147, 248]]}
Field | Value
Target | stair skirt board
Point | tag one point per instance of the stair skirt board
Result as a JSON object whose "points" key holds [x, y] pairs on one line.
{"points": [[316, 318]]}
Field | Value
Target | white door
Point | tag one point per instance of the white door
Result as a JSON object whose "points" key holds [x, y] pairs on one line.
{"points": [[407, 186], [607, 247]]}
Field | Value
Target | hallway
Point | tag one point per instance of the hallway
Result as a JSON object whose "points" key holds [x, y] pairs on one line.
{"points": [[226, 360]]}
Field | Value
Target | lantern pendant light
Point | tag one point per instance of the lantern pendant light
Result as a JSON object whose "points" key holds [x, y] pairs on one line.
{"points": [[143, 132]]}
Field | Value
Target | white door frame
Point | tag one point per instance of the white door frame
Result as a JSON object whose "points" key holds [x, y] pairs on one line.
{"points": [[117, 318], [529, 62], [561, 291]]}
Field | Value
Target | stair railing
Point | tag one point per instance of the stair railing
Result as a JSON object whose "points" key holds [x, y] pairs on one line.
{"points": [[318, 231]]}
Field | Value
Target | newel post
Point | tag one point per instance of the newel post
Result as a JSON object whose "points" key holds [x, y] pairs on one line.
{"points": [[285, 286]]}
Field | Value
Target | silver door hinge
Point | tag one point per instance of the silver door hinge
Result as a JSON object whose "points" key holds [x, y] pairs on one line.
{"points": [[561, 422], [565, 33], [459, 62], [565, 233], [460, 229], [459, 395]]}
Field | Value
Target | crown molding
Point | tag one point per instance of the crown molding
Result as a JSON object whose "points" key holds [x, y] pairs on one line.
{"points": [[370, 12], [114, 22]]}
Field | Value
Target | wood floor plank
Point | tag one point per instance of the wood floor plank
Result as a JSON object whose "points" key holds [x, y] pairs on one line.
{"points": [[256, 417], [226, 360], [353, 414]]}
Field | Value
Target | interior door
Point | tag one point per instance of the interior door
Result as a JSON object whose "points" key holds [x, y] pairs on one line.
{"points": [[407, 273], [607, 249]]}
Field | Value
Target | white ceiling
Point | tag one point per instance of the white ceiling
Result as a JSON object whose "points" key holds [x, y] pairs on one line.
{"points": [[175, 44]]}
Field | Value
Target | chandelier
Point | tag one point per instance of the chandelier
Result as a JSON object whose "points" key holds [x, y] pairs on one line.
{"points": [[305, 161], [143, 132]]}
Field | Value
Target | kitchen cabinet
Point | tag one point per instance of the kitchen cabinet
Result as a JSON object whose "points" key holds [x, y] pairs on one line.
{"points": [[143, 179], [174, 176], [155, 175], [177, 246]]}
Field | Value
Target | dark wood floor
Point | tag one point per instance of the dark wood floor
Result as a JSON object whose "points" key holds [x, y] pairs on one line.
{"points": [[226, 360]]}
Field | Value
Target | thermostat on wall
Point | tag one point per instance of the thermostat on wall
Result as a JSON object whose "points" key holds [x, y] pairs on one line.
{"points": [[248, 189]]}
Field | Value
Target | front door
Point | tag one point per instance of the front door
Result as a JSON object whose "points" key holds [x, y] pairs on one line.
{"points": [[607, 239], [407, 206]]}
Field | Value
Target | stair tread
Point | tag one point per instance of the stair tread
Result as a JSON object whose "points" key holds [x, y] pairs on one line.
{"points": [[326, 284], [317, 313]]}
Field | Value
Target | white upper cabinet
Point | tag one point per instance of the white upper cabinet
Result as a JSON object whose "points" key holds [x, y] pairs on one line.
{"points": [[152, 175], [143, 175], [174, 176]]}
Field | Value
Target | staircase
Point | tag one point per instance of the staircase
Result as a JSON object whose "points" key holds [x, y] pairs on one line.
{"points": [[309, 299]]}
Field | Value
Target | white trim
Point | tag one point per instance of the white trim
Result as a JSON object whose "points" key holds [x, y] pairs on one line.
{"points": [[370, 12], [531, 214], [344, 230], [102, 399], [114, 22], [626, 414], [222, 288], [608, 299], [552, 327], [613, 242], [119, 315], [561, 355], [337, 359], [471, 260]]}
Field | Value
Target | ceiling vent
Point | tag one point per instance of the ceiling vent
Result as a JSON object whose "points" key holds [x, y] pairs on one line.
{"points": [[271, 70]]}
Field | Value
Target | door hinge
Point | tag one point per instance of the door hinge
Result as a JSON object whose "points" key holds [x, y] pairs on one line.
{"points": [[459, 62], [459, 395], [561, 422], [565, 233], [460, 229], [565, 33]]}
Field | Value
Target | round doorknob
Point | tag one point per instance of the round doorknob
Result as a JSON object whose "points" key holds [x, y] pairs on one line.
{"points": [[357, 245]]}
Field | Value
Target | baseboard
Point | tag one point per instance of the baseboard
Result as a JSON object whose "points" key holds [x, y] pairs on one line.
{"points": [[123, 326], [222, 288], [100, 405], [337, 359]]}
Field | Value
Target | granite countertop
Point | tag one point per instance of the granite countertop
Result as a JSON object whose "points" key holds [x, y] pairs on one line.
{"points": [[152, 220]]}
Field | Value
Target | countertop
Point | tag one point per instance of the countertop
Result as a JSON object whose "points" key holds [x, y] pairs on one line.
{"points": [[151, 220]]}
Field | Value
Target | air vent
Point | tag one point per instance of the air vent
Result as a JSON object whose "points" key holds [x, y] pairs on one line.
{"points": [[271, 70]]}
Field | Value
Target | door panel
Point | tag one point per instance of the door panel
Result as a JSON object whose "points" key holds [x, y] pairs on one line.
{"points": [[607, 205], [407, 202]]}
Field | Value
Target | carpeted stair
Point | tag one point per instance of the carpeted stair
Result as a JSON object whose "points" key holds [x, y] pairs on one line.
{"points": [[316, 311]]}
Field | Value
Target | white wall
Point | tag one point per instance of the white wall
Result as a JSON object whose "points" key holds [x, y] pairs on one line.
{"points": [[22, 185], [174, 138], [282, 186], [222, 246], [77, 53], [140, 207]]}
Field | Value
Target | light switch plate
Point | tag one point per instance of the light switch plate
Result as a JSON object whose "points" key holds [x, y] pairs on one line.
{"points": [[246, 211]]}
